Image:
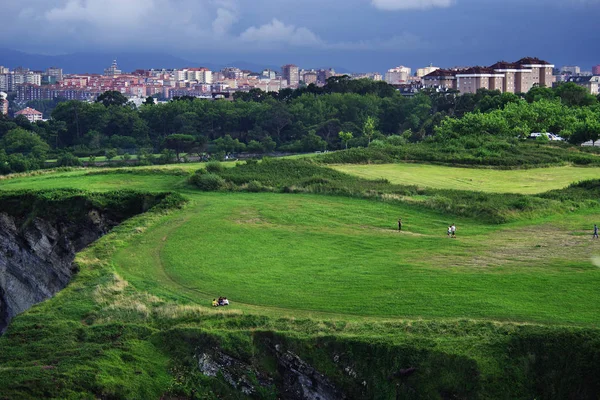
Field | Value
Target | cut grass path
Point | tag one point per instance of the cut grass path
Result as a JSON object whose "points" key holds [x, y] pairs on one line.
{"points": [[526, 181]]}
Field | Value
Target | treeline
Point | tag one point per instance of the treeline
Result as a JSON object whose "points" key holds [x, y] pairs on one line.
{"points": [[344, 114]]}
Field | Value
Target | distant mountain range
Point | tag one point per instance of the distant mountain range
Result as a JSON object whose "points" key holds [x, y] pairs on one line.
{"points": [[96, 62]]}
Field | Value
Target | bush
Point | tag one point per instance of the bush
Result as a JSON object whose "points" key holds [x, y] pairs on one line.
{"points": [[214, 167], [208, 182], [255, 187], [68, 160]]}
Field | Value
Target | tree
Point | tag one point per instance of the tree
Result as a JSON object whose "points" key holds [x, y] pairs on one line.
{"points": [[110, 154], [572, 94], [369, 128], [112, 98], [20, 141], [345, 137], [149, 101], [179, 143]]}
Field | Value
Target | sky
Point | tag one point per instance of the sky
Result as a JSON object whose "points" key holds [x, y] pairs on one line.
{"points": [[359, 35]]}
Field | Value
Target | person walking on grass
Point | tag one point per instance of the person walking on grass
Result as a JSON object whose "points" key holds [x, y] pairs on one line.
{"points": [[400, 224], [449, 230], [453, 229], [595, 231]]}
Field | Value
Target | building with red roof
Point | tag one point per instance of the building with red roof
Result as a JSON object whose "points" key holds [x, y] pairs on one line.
{"points": [[31, 114]]}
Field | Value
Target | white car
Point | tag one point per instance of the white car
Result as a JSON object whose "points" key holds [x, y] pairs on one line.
{"points": [[551, 136]]}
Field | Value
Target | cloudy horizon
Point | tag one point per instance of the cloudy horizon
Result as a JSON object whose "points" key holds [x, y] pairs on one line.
{"points": [[360, 35]]}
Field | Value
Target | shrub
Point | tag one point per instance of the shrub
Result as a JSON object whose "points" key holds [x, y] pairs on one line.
{"points": [[208, 182], [214, 167], [68, 160], [255, 187]]}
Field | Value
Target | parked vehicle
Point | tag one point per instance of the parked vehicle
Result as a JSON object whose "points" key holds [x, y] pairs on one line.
{"points": [[551, 136]]}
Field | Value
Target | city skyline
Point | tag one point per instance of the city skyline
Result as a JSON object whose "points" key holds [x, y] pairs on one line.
{"points": [[358, 35]]}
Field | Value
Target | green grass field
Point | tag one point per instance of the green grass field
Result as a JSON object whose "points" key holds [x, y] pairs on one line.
{"points": [[293, 254], [503, 311], [526, 181], [278, 253]]}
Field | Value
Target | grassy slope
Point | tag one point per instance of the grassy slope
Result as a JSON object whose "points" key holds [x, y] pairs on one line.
{"points": [[292, 253], [298, 248], [527, 181], [103, 333]]}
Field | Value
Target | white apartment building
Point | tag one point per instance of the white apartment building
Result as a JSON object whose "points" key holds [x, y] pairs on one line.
{"points": [[570, 69], [421, 72], [10, 81], [398, 75], [201, 75]]}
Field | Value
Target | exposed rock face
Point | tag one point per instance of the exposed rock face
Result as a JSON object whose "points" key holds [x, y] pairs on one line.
{"points": [[36, 257], [299, 380], [302, 381]]}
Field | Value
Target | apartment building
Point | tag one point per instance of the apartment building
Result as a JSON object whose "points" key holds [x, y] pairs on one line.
{"points": [[310, 77], [421, 72], [591, 83], [398, 75], [3, 103], [571, 70], [10, 81], [200, 75], [517, 77], [291, 74], [55, 72], [324, 74], [31, 114]]}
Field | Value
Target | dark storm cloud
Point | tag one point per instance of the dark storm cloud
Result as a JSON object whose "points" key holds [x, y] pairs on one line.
{"points": [[360, 34]]}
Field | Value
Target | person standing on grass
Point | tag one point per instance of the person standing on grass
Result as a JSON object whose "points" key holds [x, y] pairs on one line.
{"points": [[595, 231], [453, 229], [400, 224], [449, 230]]}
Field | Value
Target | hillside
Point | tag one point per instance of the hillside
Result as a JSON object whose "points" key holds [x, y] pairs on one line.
{"points": [[327, 297]]}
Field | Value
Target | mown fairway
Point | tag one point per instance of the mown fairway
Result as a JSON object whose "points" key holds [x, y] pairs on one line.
{"points": [[297, 254], [303, 255], [525, 181]]}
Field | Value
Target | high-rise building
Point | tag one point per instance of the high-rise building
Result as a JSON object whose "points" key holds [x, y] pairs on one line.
{"points": [[291, 74], [269, 74], [55, 72], [113, 70], [596, 70], [310, 77], [571, 70], [3, 103], [421, 72], [4, 70], [232, 73], [398, 75], [324, 74]]}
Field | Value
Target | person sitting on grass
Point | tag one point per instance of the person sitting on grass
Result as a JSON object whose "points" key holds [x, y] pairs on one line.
{"points": [[221, 302], [214, 303], [225, 301]]}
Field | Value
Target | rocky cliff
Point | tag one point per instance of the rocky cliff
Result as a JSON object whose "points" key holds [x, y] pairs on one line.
{"points": [[40, 234]]}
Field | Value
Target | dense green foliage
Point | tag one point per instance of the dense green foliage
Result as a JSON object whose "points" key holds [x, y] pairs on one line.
{"points": [[476, 128], [467, 151]]}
